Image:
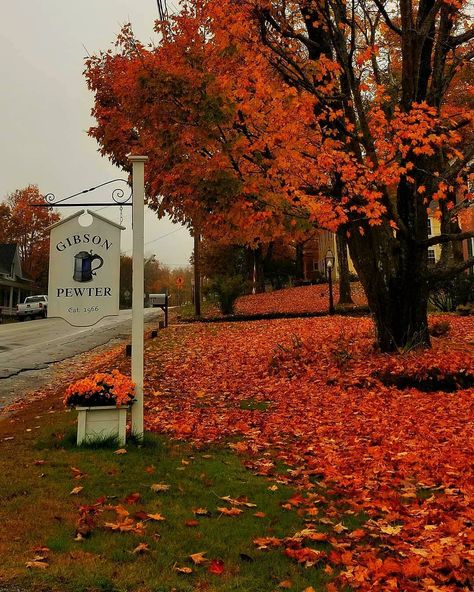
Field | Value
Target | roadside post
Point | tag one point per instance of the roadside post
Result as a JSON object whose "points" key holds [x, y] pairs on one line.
{"points": [[87, 263], [138, 212]]}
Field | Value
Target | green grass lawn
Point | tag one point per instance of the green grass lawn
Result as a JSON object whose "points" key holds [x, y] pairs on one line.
{"points": [[39, 469]]}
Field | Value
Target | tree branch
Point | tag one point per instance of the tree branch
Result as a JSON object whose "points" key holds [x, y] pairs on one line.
{"points": [[388, 20], [449, 272], [455, 40], [446, 238]]}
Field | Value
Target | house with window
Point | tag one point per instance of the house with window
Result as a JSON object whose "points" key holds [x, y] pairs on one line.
{"points": [[315, 249], [466, 221], [315, 252], [14, 286]]}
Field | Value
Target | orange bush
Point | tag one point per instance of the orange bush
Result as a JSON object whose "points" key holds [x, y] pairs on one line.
{"points": [[100, 389]]}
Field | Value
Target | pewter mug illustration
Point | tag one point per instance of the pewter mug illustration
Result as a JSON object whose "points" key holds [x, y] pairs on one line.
{"points": [[83, 270]]}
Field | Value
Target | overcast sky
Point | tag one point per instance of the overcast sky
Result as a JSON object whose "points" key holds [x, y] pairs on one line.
{"points": [[45, 105]]}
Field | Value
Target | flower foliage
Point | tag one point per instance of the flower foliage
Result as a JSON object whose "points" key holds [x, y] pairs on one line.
{"points": [[101, 389], [308, 395]]}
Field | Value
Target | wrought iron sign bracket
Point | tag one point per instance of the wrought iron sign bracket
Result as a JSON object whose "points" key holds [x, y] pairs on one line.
{"points": [[119, 198]]}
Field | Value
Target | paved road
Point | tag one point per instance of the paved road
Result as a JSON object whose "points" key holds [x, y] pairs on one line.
{"points": [[35, 344]]}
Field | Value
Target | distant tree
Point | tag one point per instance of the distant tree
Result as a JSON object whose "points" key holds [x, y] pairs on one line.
{"points": [[27, 226]]}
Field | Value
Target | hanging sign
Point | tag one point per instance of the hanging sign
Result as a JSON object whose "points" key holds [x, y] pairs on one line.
{"points": [[84, 269]]}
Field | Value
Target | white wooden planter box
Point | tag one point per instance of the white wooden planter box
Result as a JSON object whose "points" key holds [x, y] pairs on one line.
{"points": [[99, 423]]}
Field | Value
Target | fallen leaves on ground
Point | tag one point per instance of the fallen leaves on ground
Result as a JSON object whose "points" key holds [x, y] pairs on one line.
{"points": [[304, 299], [198, 558], [141, 548], [309, 393], [159, 487]]}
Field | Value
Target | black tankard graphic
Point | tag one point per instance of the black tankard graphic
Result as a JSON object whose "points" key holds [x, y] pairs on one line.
{"points": [[83, 270]]}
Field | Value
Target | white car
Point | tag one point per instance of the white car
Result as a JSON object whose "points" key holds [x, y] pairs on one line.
{"points": [[34, 306]]}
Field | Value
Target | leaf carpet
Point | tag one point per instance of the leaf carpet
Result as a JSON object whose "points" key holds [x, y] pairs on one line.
{"points": [[303, 403]]}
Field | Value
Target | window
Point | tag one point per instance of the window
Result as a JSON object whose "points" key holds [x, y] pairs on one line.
{"points": [[430, 232], [431, 257]]}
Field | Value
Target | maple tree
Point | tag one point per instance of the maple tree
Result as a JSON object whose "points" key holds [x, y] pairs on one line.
{"points": [[361, 131], [210, 141], [26, 225], [384, 76]]}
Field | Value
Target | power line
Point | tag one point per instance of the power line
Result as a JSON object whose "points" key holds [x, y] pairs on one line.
{"points": [[159, 238]]}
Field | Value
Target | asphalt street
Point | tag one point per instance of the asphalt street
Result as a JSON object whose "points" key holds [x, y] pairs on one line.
{"points": [[34, 344]]}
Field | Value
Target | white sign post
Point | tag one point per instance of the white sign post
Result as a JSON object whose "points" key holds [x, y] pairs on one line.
{"points": [[84, 270], [138, 209]]}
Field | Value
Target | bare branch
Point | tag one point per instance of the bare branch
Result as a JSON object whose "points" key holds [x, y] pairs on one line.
{"points": [[446, 238], [455, 40], [447, 273], [388, 20]]}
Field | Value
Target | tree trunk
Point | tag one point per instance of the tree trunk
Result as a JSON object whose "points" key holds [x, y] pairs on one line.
{"points": [[345, 296], [259, 273], [393, 275], [299, 262], [197, 274], [451, 252]]}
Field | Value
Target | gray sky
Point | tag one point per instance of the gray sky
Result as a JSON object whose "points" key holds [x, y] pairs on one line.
{"points": [[45, 105]]}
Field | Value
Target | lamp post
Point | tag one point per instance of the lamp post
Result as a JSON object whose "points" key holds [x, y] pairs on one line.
{"points": [[330, 259]]}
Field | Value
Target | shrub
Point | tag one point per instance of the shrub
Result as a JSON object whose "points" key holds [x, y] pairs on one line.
{"points": [[439, 328], [447, 295], [465, 309], [227, 289], [101, 389], [318, 278]]}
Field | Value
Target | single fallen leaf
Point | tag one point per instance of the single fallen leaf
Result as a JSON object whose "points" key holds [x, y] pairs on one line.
{"points": [[132, 498], [121, 511], [230, 511], [260, 514], [39, 462], [183, 570], [157, 487], [267, 542], [285, 584], [240, 501], [358, 533], [157, 517], [151, 469], [198, 558], [216, 567], [192, 523], [201, 512], [77, 473], [339, 528], [76, 490], [273, 488], [390, 529], [120, 451], [41, 549], [126, 525], [309, 589], [141, 548], [36, 564]]}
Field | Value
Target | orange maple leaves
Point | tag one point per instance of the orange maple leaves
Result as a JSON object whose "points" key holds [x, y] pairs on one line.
{"points": [[397, 455]]}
